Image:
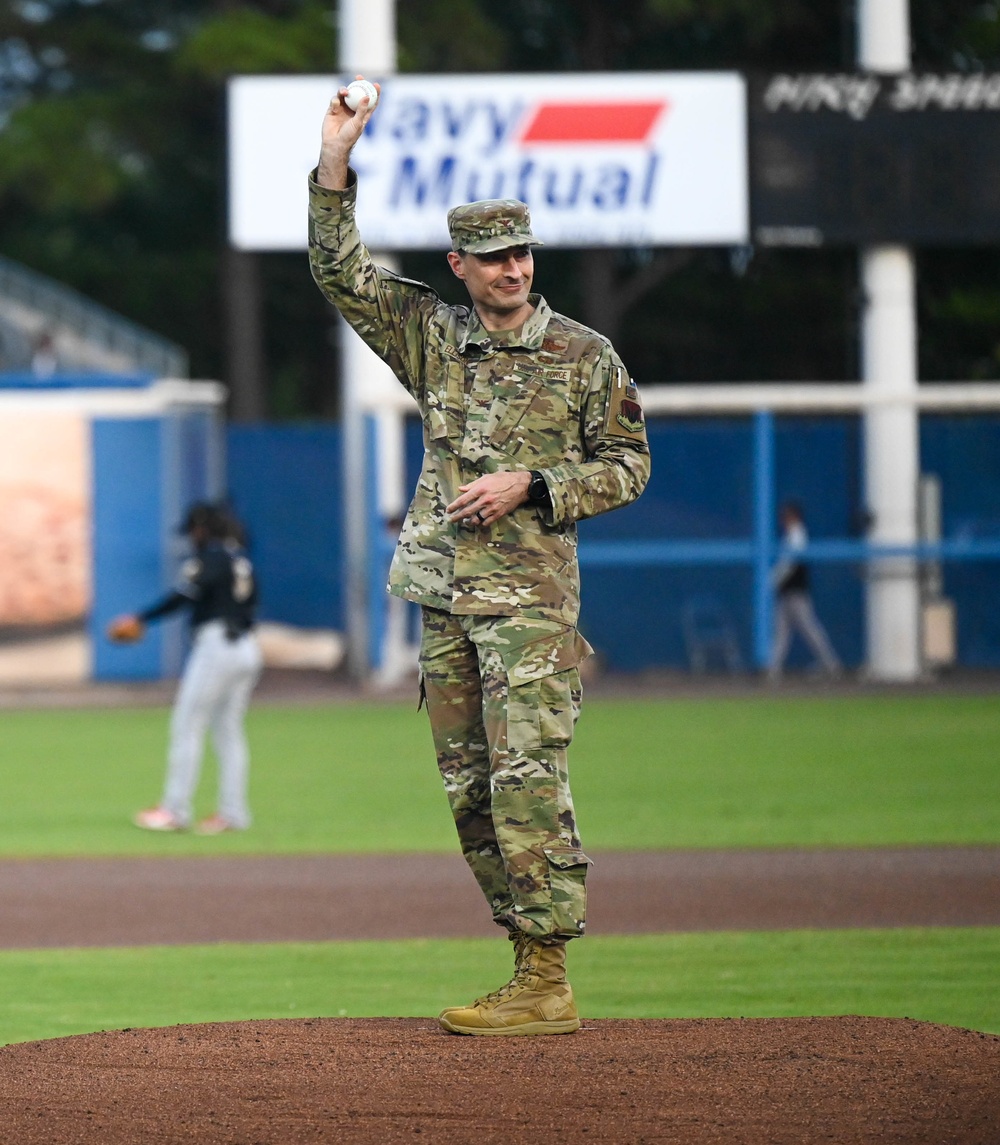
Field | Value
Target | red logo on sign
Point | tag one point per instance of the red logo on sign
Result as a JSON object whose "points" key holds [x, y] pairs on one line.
{"points": [[603, 122]]}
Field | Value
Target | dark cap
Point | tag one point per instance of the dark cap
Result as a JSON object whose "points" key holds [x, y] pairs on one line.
{"points": [[490, 225], [212, 518]]}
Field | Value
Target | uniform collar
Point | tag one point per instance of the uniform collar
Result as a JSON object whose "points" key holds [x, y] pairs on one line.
{"points": [[530, 337]]}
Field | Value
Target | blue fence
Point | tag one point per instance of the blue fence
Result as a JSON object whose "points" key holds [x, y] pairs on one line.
{"points": [[146, 470], [702, 536], [25, 380], [286, 483]]}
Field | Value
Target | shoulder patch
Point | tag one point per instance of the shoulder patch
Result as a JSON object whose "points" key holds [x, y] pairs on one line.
{"points": [[624, 416]]}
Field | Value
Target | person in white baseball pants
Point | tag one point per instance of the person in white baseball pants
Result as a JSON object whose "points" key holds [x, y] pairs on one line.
{"points": [[214, 695], [218, 585]]}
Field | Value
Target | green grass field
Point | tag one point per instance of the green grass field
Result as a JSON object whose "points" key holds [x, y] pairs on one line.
{"points": [[932, 975], [745, 772], [748, 772]]}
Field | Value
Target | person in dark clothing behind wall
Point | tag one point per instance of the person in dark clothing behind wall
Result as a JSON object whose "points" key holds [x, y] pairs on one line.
{"points": [[793, 610]]}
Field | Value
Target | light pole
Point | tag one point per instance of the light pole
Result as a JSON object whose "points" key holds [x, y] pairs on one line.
{"points": [[889, 370], [366, 45]]}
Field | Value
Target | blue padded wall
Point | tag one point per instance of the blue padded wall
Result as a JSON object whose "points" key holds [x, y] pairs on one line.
{"points": [[128, 541], [964, 451], [285, 483]]}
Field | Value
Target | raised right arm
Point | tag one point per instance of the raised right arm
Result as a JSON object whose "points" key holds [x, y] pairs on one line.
{"points": [[390, 313]]}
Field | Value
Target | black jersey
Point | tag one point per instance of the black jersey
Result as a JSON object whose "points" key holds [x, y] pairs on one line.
{"points": [[792, 574], [796, 579], [217, 583]]}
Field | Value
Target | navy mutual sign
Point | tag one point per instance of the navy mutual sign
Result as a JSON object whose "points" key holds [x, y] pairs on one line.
{"points": [[602, 159]]}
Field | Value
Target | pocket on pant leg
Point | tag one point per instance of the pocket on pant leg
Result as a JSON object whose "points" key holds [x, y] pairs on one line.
{"points": [[568, 890], [543, 685], [542, 713]]}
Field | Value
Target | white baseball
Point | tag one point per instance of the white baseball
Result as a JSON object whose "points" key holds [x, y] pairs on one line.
{"points": [[357, 90]]}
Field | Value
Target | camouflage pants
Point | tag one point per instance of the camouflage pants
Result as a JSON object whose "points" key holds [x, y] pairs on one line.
{"points": [[503, 694]]}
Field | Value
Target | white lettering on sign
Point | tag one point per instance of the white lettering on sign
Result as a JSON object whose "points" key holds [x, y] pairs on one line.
{"points": [[853, 94], [856, 95], [949, 93]]}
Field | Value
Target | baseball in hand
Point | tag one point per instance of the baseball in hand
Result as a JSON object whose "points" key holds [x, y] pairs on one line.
{"points": [[356, 92]]}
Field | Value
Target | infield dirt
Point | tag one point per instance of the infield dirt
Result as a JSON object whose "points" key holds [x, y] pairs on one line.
{"points": [[368, 1081]]}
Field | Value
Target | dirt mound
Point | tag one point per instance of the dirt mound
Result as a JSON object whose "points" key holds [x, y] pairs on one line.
{"points": [[383, 1080]]}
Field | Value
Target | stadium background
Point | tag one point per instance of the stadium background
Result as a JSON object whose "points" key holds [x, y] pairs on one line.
{"points": [[137, 224], [634, 616]]}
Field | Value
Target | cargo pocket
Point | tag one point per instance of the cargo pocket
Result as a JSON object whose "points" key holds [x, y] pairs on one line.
{"points": [[567, 882], [542, 676]]}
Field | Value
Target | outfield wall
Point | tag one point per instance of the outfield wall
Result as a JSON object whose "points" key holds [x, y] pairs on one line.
{"points": [[287, 481], [95, 473]]}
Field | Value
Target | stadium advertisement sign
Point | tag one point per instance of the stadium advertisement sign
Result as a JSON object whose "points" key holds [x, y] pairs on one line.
{"points": [[627, 159], [45, 545]]}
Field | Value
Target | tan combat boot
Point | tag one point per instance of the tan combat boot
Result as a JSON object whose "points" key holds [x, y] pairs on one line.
{"points": [[537, 1000], [519, 938]]}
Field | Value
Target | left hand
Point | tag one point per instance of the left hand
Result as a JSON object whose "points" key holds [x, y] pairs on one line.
{"points": [[490, 497]]}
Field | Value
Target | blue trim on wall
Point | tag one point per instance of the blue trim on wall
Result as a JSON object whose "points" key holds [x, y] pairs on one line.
{"points": [[22, 380]]}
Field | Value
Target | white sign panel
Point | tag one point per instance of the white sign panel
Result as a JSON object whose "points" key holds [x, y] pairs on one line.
{"points": [[626, 159]]}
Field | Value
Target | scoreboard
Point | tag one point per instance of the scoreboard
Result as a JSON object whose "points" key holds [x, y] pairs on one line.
{"points": [[865, 158]]}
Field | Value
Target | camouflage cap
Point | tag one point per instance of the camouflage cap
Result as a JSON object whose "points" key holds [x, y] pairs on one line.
{"points": [[490, 225]]}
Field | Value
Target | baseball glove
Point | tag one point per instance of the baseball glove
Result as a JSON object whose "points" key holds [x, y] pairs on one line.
{"points": [[126, 629]]}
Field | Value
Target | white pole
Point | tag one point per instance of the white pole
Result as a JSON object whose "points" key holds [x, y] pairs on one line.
{"points": [[889, 369], [367, 37], [884, 35], [892, 466], [367, 45]]}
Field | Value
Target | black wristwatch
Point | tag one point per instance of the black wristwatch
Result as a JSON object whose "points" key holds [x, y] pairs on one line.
{"points": [[538, 491]]}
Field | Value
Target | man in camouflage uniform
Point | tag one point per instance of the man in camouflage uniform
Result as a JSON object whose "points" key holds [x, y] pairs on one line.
{"points": [[531, 423]]}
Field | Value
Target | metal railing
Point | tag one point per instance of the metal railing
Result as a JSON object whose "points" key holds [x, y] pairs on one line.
{"points": [[35, 303]]}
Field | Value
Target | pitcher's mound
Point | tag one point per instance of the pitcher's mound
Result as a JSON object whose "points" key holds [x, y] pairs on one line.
{"points": [[379, 1080]]}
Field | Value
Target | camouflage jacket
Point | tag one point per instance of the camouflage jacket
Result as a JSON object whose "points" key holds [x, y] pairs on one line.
{"points": [[554, 398]]}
